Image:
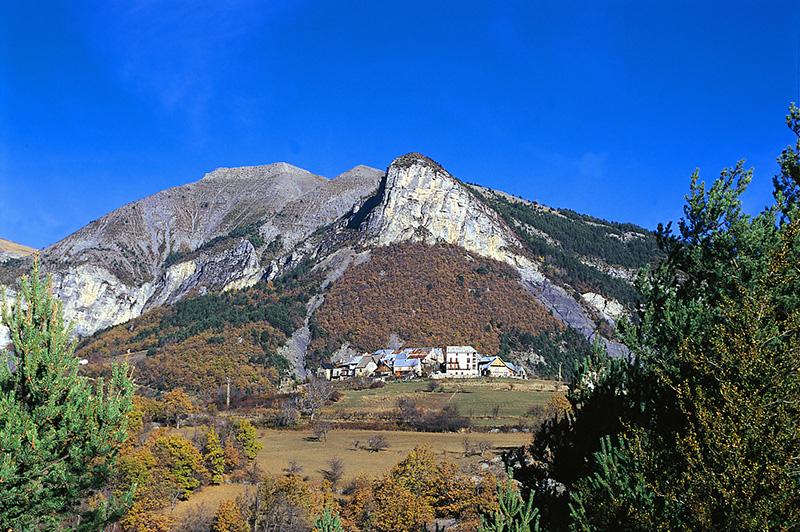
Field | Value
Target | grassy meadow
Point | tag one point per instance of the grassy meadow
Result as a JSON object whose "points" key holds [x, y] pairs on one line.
{"points": [[488, 403]]}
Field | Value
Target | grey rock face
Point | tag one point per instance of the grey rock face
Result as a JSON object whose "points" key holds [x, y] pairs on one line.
{"points": [[116, 267], [134, 241], [422, 202]]}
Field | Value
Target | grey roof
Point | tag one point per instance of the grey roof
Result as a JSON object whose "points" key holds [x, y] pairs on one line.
{"points": [[406, 362]]}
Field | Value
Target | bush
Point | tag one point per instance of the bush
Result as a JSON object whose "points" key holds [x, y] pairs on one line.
{"points": [[377, 443], [229, 518]]}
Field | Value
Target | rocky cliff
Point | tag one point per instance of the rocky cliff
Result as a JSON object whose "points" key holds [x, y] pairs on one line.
{"points": [[220, 233], [422, 202]]}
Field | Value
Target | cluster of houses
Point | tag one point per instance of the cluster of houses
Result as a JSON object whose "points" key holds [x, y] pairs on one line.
{"points": [[452, 362]]}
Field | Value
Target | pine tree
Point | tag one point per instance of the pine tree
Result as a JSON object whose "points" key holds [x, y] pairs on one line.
{"points": [[215, 456], [328, 522], [702, 430], [514, 514], [59, 431]]}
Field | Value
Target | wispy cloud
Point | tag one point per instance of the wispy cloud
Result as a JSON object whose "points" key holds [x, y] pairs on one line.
{"points": [[177, 53]]}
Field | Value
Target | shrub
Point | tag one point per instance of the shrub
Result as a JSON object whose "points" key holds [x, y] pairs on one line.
{"points": [[229, 518], [215, 456], [180, 459], [377, 443], [328, 522]]}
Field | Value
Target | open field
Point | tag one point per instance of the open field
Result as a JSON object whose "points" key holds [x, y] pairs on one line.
{"points": [[284, 446], [208, 499], [476, 399]]}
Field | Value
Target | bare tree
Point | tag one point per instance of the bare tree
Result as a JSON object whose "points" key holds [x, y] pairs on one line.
{"points": [[317, 393], [377, 443], [288, 414], [335, 471], [293, 468], [321, 430], [408, 412], [484, 446], [468, 449]]}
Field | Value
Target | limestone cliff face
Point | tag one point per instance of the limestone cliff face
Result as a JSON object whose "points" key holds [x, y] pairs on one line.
{"points": [[422, 202], [95, 299]]}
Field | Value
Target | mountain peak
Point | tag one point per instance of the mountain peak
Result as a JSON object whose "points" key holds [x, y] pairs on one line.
{"points": [[279, 169], [423, 202], [415, 158]]}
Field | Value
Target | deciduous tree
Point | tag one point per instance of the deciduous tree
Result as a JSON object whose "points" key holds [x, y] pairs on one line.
{"points": [[214, 456]]}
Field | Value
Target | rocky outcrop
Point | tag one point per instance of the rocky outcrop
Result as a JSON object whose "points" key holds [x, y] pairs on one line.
{"points": [[422, 202], [95, 298], [610, 309]]}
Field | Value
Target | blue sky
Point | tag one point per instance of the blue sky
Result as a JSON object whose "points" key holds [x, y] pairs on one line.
{"points": [[605, 109]]}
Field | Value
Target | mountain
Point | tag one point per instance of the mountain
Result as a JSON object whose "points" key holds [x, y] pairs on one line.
{"points": [[12, 250], [205, 236], [281, 268]]}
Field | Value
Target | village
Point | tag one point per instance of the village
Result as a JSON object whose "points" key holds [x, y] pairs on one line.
{"points": [[452, 362]]}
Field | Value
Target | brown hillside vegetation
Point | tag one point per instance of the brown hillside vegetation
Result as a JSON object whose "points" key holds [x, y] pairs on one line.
{"points": [[428, 295], [198, 343]]}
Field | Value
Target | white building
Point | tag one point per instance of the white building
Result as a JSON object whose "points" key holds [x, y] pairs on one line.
{"points": [[366, 366], [495, 367], [461, 361]]}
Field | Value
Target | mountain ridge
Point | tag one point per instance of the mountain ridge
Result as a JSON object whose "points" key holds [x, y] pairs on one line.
{"points": [[237, 227], [13, 250]]}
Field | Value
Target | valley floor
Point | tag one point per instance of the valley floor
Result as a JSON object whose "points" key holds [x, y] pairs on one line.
{"points": [[284, 446]]}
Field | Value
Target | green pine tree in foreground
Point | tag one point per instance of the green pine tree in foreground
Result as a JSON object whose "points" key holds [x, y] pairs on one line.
{"points": [[328, 522], [701, 429], [59, 431], [513, 514]]}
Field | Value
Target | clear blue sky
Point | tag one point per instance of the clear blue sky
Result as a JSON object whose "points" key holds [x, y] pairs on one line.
{"points": [[605, 110]]}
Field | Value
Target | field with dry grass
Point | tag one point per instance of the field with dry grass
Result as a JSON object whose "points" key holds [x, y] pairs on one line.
{"points": [[282, 447]]}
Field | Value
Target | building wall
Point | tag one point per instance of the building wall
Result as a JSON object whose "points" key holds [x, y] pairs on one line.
{"points": [[461, 361]]}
